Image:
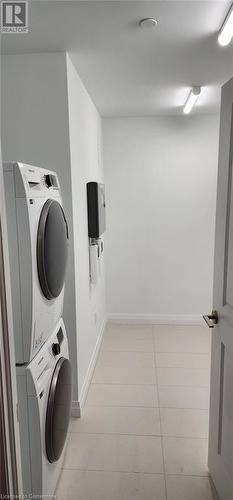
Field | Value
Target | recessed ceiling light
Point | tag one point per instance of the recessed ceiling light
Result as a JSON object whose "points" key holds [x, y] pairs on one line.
{"points": [[226, 31], [148, 23], [192, 99]]}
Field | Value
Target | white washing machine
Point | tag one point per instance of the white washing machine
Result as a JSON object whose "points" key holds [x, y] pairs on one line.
{"points": [[44, 400], [38, 247]]}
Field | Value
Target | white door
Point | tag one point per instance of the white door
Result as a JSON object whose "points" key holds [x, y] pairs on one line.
{"points": [[221, 399]]}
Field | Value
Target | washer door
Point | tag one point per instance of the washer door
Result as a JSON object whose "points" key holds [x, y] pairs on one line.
{"points": [[52, 249], [58, 409]]}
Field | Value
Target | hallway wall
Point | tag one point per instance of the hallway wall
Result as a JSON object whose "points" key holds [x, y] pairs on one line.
{"points": [[160, 192], [39, 129], [35, 130], [86, 165]]}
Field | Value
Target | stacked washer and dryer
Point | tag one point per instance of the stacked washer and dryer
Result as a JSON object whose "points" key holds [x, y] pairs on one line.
{"points": [[38, 248]]}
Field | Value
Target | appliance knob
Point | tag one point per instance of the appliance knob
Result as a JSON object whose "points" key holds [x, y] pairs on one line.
{"points": [[56, 349]]}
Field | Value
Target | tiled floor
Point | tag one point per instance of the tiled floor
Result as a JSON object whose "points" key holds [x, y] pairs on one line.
{"points": [[143, 431]]}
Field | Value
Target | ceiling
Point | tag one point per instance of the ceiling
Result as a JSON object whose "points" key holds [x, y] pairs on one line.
{"points": [[126, 70]]}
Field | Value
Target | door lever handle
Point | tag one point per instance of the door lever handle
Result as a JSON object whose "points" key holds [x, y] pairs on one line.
{"points": [[211, 319]]}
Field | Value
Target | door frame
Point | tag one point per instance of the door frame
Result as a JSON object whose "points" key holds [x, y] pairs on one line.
{"points": [[11, 458], [217, 470]]}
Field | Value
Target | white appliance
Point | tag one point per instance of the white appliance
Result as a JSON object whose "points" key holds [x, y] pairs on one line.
{"points": [[38, 246], [44, 400]]}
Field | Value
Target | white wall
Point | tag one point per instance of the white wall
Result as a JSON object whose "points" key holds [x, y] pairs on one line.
{"points": [[86, 165], [35, 130], [36, 117], [160, 192]]}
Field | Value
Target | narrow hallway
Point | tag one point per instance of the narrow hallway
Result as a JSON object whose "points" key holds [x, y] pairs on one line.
{"points": [[143, 431]]}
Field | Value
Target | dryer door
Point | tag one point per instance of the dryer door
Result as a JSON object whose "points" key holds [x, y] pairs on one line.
{"points": [[52, 249], [58, 409]]}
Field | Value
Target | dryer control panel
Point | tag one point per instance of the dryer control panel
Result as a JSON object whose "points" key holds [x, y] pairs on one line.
{"points": [[33, 182]]}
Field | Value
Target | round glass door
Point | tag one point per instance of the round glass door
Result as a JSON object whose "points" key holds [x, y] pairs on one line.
{"points": [[52, 249], [58, 409]]}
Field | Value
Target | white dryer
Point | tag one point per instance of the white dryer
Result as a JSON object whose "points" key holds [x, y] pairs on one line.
{"points": [[44, 401], [38, 247]]}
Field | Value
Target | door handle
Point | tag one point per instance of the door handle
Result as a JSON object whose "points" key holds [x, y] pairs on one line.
{"points": [[211, 319]]}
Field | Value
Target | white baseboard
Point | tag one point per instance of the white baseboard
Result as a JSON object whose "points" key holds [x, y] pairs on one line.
{"points": [[85, 387], [156, 319]]}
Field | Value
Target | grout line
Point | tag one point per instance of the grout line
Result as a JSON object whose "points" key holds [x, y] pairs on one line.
{"points": [[143, 406], [183, 408], [122, 383], [119, 434], [193, 353], [170, 367], [184, 368], [188, 386], [119, 471], [160, 420], [154, 384], [122, 406], [151, 385], [127, 384], [142, 435], [202, 353], [91, 433], [126, 350], [190, 353], [158, 352]]}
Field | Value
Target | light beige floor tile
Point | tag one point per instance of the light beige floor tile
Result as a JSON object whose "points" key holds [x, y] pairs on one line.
{"points": [[183, 377], [114, 453], [128, 332], [183, 339], [90, 485], [120, 425], [185, 456], [184, 422], [179, 328], [184, 397], [182, 360], [113, 343], [125, 368], [188, 488], [122, 395], [120, 420]]}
